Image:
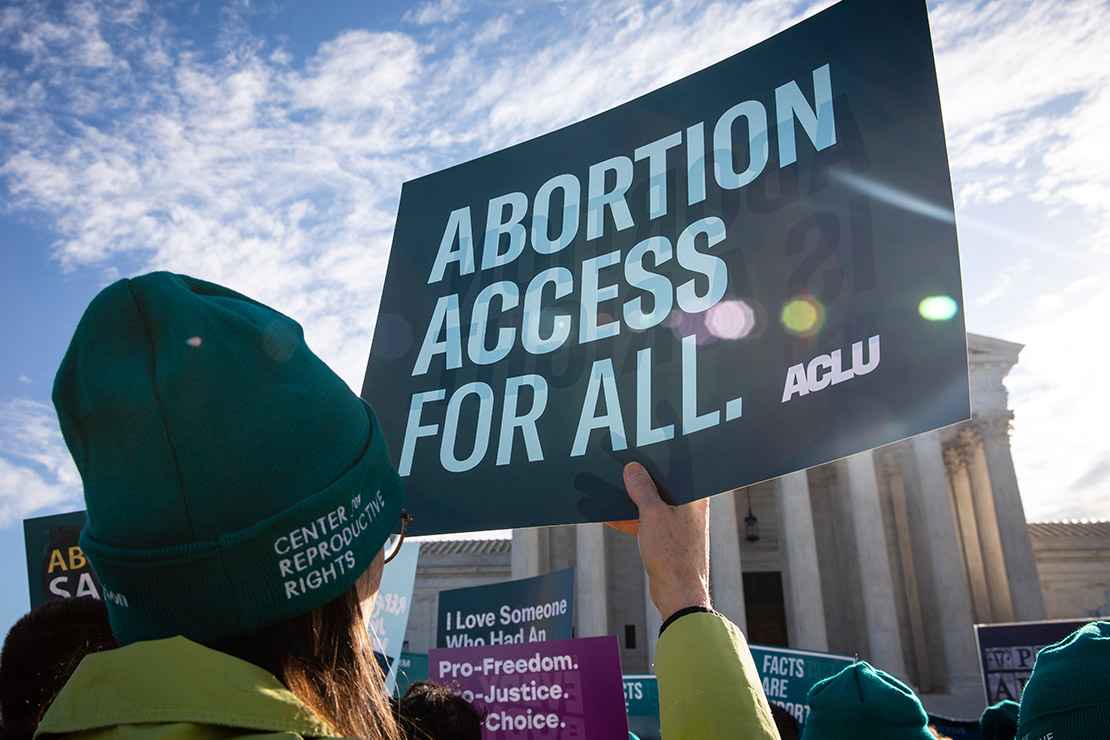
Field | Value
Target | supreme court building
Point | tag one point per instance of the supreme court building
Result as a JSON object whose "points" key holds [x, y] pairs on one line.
{"points": [[892, 555]]}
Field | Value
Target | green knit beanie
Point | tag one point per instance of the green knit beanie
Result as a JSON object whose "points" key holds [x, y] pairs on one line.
{"points": [[862, 701], [232, 480], [1068, 694], [999, 721]]}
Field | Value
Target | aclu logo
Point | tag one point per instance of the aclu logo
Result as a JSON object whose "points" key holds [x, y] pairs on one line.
{"points": [[825, 371]]}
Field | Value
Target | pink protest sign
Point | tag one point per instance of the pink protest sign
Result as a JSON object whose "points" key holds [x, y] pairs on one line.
{"points": [[539, 690]]}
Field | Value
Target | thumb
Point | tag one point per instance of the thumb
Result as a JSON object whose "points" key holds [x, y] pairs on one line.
{"points": [[641, 488]]}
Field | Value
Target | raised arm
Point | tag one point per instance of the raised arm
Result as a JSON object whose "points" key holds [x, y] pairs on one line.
{"points": [[708, 685]]}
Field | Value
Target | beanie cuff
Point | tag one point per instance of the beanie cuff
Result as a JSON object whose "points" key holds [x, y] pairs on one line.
{"points": [[1079, 723], [280, 568]]}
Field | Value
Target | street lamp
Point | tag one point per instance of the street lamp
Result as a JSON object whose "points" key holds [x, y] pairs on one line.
{"points": [[751, 522]]}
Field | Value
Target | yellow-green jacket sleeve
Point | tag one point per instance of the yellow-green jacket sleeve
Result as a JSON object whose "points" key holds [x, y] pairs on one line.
{"points": [[708, 685]]}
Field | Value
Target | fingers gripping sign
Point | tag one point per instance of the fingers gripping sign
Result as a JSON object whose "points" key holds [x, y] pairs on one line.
{"points": [[674, 544]]}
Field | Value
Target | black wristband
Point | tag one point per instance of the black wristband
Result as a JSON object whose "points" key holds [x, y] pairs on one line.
{"points": [[682, 613]]}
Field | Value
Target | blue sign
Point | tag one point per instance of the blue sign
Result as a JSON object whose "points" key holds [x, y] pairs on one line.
{"points": [[761, 256], [391, 608], [535, 609]]}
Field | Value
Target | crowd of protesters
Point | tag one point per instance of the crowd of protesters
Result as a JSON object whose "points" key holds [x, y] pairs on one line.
{"points": [[206, 431]]}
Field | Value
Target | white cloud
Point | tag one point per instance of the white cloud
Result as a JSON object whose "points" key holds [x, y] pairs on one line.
{"points": [[1026, 93], [492, 30], [24, 379], [1004, 280], [282, 182], [435, 11], [1059, 436], [36, 470]]}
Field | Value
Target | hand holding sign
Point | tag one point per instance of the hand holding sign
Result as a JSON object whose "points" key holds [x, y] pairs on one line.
{"points": [[674, 544]]}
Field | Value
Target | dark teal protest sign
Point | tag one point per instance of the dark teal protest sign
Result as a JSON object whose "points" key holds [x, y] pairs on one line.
{"points": [[787, 675], [411, 668], [641, 701], [525, 610], [56, 566], [748, 272]]}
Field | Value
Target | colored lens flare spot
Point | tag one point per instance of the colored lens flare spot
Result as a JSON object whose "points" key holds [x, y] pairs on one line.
{"points": [[803, 316], [938, 308], [730, 320]]}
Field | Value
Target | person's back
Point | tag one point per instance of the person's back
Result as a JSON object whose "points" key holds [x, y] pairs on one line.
{"points": [[40, 653], [238, 497]]}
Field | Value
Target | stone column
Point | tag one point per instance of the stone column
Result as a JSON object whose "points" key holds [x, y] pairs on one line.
{"points": [[591, 593], [949, 598], [805, 606], [1025, 583], [956, 463], [726, 579], [877, 580], [994, 560], [653, 621], [919, 642], [529, 552]]}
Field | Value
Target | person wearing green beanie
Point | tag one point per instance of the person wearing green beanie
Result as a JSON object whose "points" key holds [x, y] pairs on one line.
{"points": [[999, 721], [863, 701], [1067, 696], [238, 499]]}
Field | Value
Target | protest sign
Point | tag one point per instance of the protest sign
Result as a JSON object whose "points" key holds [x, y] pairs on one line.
{"points": [[564, 688], [56, 566], [392, 605], [1008, 650], [641, 703], [754, 267], [411, 668], [525, 610], [787, 675]]}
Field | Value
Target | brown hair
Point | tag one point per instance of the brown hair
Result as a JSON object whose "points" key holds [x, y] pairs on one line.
{"points": [[325, 658]]}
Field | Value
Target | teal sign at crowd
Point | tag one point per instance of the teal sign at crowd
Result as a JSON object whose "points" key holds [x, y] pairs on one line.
{"points": [[760, 256], [787, 675], [56, 566], [525, 610], [641, 702], [411, 668]]}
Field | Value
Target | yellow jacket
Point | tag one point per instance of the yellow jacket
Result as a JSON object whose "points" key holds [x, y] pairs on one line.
{"points": [[175, 689]]}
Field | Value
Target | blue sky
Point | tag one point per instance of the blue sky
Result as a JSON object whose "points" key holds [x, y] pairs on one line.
{"points": [[262, 145]]}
